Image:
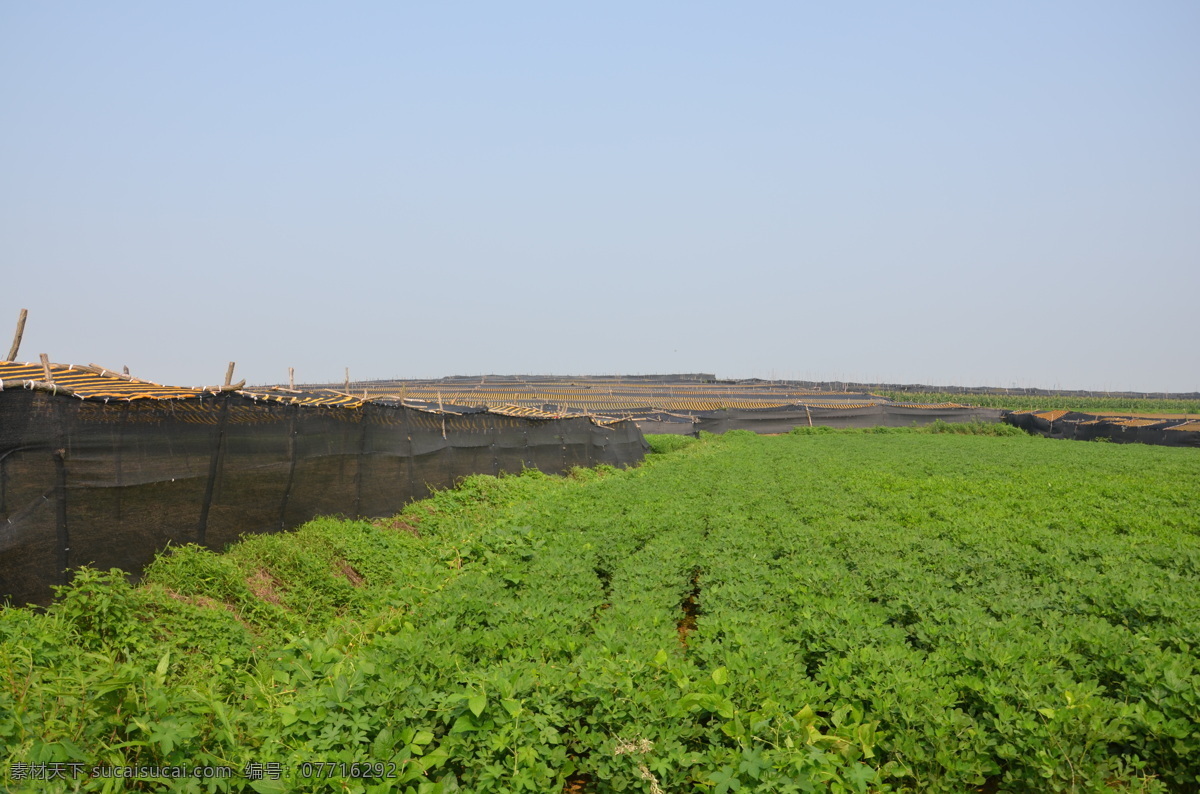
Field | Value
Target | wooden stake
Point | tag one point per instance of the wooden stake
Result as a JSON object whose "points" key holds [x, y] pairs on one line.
{"points": [[229, 373], [347, 386], [46, 368], [292, 378], [125, 369], [16, 345]]}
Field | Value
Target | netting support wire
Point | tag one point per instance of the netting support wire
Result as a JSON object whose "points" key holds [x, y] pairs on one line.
{"points": [[60, 514], [119, 454], [287, 488], [411, 467], [214, 468], [490, 425], [362, 454]]}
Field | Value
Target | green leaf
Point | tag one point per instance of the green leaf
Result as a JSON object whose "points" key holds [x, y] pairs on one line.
{"points": [[477, 703], [385, 740], [753, 763], [464, 724], [167, 734], [160, 672], [720, 676], [860, 775], [725, 780]]}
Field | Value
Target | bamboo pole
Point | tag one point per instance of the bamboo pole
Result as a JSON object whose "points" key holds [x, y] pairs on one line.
{"points": [[292, 378], [229, 373], [103, 371], [347, 386], [36, 385], [241, 384], [340, 393], [46, 368], [16, 345], [108, 373]]}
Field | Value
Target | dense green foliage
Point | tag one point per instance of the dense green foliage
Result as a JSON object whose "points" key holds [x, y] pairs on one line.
{"points": [[935, 427], [1019, 402], [822, 611]]}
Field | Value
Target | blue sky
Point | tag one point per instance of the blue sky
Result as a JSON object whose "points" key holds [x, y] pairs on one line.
{"points": [[979, 194]]}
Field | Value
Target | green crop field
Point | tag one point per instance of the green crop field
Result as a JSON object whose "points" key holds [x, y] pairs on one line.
{"points": [[841, 611]]}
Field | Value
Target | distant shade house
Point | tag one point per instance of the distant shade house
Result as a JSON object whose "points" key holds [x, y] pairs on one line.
{"points": [[782, 419], [671, 404], [100, 469], [1178, 431]]}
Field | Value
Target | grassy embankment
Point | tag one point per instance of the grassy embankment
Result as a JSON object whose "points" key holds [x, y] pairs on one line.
{"points": [[891, 610]]}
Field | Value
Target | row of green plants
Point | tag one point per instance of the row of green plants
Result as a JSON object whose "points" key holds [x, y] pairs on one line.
{"points": [[1020, 402], [922, 610], [936, 427]]}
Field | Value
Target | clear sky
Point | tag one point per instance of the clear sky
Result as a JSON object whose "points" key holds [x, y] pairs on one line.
{"points": [[999, 193]]}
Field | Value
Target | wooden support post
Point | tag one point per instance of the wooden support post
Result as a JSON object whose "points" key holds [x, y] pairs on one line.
{"points": [[229, 373], [16, 345], [347, 386], [292, 378], [46, 368]]}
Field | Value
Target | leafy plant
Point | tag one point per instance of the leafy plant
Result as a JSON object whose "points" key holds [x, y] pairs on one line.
{"points": [[920, 610]]}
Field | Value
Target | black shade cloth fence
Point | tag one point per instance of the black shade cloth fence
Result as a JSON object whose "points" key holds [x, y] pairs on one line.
{"points": [[1072, 425], [110, 484]]}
